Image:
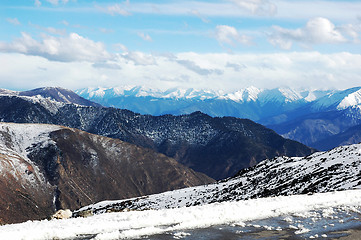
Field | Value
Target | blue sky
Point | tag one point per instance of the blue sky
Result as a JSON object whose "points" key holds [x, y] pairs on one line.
{"points": [[224, 44]]}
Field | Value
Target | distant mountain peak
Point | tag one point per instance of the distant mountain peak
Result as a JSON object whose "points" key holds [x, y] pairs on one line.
{"points": [[339, 99], [351, 100]]}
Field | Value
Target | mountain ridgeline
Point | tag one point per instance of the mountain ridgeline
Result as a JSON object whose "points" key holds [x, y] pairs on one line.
{"points": [[218, 147], [309, 116]]}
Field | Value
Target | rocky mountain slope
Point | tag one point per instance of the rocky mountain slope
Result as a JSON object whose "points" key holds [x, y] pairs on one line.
{"points": [[218, 147], [328, 117], [46, 167], [334, 170], [351, 136]]}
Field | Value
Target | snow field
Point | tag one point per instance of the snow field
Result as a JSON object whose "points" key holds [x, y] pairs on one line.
{"points": [[143, 223]]}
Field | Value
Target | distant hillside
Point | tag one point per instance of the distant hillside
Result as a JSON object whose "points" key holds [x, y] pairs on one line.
{"points": [[350, 136]]}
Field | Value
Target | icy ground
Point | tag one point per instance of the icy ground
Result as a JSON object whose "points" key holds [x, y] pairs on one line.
{"points": [[321, 209]]}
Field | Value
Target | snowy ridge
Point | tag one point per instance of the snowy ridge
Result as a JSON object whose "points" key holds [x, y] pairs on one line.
{"points": [[337, 169], [249, 94], [52, 105], [339, 99], [49, 104], [353, 99], [179, 221], [16, 141], [51, 98], [23, 136], [138, 91]]}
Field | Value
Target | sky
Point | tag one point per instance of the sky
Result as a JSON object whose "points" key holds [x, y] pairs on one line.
{"points": [[216, 44]]}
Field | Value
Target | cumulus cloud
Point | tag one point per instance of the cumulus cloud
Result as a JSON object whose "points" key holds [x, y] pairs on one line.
{"points": [[13, 21], [257, 7], [145, 37], [230, 35], [317, 31], [72, 47]]}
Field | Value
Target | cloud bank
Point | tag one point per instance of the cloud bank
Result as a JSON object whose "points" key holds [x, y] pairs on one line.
{"points": [[214, 71]]}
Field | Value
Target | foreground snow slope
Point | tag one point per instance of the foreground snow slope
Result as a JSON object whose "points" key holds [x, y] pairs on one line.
{"points": [[337, 169], [142, 223]]}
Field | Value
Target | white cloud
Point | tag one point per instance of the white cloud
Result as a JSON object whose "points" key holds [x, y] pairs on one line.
{"points": [[140, 58], [199, 15], [210, 71], [13, 21], [64, 49], [55, 31], [351, 30], [37, 3], [191, 65], [64, 22], [116, 9], [230, 35], [145, 37], [120, 47], [236, 66], [317, 31], [257, 7], [55, 2]]}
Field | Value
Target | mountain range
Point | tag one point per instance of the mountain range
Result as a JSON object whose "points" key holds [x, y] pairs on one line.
{"points": [[334, 170], [309, 116], [218, 147], [58, 150]]}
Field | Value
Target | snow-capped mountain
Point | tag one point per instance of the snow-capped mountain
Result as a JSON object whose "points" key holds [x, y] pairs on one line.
{"points": [[339, 100], [251, 102], [308, 116], [45, 167], [321, 123], [334, 170], [51, 98], [218, 147], [243, 95]]}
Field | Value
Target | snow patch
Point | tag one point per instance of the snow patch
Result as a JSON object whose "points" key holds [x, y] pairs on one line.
{"points": [[137, 224]]}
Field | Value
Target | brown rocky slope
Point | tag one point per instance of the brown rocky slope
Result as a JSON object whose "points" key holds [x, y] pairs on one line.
{"points": [[46, 167]]}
